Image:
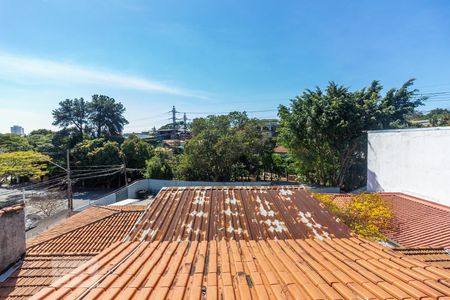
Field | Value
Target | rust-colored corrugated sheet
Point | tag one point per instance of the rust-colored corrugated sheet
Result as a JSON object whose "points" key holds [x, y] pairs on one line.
{"points": [[248, 213], [66, 246], [418, 222], [272, 269]]}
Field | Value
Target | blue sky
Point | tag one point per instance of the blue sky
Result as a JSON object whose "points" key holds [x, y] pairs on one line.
{"points": [[211, 56]]}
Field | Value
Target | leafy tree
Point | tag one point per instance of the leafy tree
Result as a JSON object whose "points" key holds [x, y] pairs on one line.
{"points": [[106, 116], [41, 140], [22, 163], [136, 152], [97, 152], [12, 142], [161, 165], [72, 113], [223, 148], [439, 117], [324, 130]]}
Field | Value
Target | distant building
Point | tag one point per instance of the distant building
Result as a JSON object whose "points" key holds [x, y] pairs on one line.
{"points": [[18, 130]]}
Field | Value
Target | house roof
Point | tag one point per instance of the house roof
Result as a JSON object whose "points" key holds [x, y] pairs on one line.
{"points": [[66, 246], [180, 246], [434, 256], [418, 222], [280, 150], [249, 213], [88, 217], [272, 269], [10, 207]]}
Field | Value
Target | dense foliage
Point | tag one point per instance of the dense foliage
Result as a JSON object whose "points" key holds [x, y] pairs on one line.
{"points": [[225, 148], [161, 166], [102, 117], [324, 130], [368, 215], [22, 163]]}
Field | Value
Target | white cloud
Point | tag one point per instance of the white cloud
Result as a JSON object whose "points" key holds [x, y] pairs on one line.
{"points": [[13, 67]]}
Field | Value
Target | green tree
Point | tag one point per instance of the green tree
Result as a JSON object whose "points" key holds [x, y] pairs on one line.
{"points": [[106, 116], [22, 163], [72, 113], [41, 140], [324, 130], [439, 117], [12, 142], [224, 148], [136, 152], [161, 165], [97, 152]]}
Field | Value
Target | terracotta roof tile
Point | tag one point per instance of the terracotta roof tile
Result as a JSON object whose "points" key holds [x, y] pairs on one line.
{"points": [[206, 213], [66, 246], [271, 269], [88, 216], [417, 223], [11, 209]]}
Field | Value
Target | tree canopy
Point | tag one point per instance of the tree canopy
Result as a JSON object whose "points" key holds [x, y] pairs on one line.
{"points": [[161, 165], [224, 148], [72, 113], [12, 142], [136, 152], [324, 130], [101, 117], [22, 163]]}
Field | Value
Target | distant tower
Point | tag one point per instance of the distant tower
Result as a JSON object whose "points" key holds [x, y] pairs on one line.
{"points": [[185, 122], [18, 130], [174, 117]]}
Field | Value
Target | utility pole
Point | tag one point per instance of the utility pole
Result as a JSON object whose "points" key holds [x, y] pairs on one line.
{"points": [[69, 181], [124, 168], [69, 184]]}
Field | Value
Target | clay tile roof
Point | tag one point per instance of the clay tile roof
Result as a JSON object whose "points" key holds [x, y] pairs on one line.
{"points": [[66, 246], [434, 256], [418, 222], [11, 209], [266, 269], [280, 149], [88, 217], [249, 213]]}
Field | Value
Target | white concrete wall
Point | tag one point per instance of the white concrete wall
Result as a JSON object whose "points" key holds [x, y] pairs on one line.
{"points": [[412, 161]]}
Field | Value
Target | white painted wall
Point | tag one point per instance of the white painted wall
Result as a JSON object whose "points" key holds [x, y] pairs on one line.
{"points": [[412, 161]]}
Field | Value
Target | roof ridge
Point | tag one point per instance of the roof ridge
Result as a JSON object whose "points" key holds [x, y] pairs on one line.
{"points": [[118, 208]]}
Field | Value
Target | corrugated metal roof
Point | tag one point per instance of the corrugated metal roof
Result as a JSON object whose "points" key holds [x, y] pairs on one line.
{"points": [[249, 213], [283, 269], [418, 222]]}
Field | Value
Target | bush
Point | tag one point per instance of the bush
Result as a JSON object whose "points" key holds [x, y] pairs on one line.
{"points": [[367, 215]]}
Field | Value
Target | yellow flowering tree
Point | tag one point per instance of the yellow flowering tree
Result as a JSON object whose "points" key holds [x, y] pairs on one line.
{"points": [[368, 215], [22, 163]]}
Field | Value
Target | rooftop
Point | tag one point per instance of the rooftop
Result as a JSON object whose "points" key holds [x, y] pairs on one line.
{"points": [[272, 269], [222, 243], [418, 222], [249, 213], [66, 246]]}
